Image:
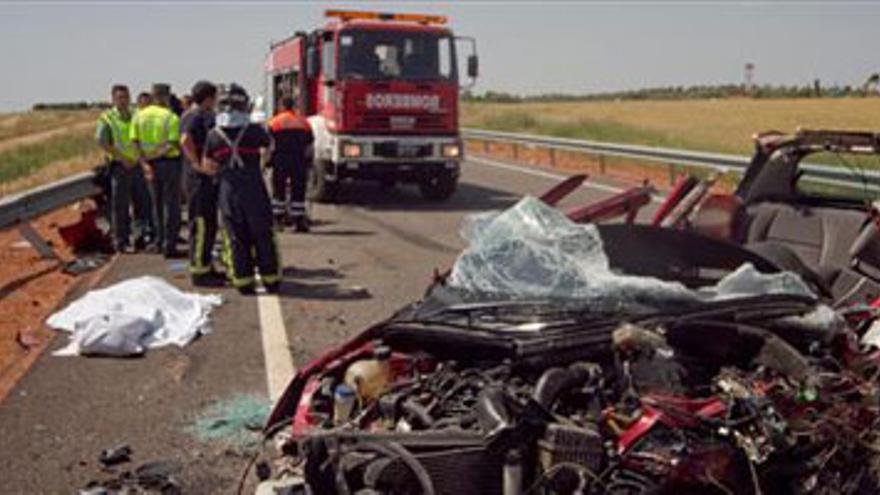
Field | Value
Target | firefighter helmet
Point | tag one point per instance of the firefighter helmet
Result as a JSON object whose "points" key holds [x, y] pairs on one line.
{"points": [[234, 98]]}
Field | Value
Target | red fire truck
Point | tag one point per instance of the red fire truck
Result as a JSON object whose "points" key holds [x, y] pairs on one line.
{"points": [[381, 94]]}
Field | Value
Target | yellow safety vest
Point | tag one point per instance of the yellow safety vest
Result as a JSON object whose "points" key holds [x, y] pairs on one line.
{"points": [[120, 131], [155, 126]]}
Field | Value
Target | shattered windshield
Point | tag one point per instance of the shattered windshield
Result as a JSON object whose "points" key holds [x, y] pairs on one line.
{"points": [[396, 55], [530, 263]]}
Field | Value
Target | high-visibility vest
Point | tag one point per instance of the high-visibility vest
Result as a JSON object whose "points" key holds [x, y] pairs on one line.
{"points": [[155, 126], [120, 131]]}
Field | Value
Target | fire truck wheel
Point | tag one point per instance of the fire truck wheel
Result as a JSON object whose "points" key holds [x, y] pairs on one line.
{"points": [[319, 188], [438, 187]]}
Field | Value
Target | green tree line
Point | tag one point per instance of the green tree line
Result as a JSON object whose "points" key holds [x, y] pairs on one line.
{"points": [[694, 92]]}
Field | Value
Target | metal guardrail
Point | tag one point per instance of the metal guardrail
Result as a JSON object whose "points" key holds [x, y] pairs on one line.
{"points": [[20, 208], [825, 174]]}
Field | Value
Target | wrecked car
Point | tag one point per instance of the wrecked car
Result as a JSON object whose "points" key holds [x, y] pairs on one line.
{"points": [[562, 358], [822, 230]]}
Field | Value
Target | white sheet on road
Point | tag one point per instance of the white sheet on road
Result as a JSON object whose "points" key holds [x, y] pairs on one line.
{"points": [[132, 316]]}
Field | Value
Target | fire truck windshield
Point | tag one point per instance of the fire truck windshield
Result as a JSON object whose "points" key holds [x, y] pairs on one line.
{"points": [[401, 55]]}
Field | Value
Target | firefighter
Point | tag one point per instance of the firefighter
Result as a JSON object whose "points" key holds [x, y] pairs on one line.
{"points": [[155, 131], [113, 136], [292, 136], [201, 188], [233, 153]]}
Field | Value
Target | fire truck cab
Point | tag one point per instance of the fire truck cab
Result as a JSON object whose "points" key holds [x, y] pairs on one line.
{"points": [[381, 94]]}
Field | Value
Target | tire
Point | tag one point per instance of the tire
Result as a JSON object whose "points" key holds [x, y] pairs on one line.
{"points": [[319, 188], [438, 187]]}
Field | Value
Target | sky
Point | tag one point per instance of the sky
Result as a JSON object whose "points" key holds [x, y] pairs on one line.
{"points": [[70, 51]]}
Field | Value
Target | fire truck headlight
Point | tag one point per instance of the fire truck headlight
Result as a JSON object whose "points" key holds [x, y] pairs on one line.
{"points": [[451, 150], [351, 150]]}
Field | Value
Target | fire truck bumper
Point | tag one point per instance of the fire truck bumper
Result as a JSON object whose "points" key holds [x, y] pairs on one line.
{"points": [[401, 172], [409, 159]]}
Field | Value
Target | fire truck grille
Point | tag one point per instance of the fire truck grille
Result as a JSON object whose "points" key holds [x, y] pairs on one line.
{"points": [[393, 149], [384, 122]]}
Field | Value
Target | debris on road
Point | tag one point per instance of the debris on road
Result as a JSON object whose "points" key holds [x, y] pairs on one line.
{"points": [[85, 264], [234, 423], [115, 455], [129, 317], [84, 235], [27, 339], [155, 477]]}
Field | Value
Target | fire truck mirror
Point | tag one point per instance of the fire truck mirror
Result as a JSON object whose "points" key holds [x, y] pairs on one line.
{"points": [[473, 66]]}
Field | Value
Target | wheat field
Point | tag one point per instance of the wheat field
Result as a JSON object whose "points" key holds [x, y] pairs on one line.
{"points": [[39, 147], [724, 125]]}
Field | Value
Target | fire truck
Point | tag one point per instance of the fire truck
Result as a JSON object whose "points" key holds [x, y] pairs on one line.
{"points": [[381, 94]]}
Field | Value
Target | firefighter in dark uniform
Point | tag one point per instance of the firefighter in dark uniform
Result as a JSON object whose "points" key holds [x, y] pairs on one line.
{"points": [[292, 135], [232, 152], [201, 188]]}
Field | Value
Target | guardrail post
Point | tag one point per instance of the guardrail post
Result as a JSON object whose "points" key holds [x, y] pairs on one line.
{"points": [[486, 146], [601, 159], [671, 174], [552, 157], [515, 151], [36, 241]]}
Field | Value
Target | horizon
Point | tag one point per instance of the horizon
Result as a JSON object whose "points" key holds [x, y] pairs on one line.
{"points": [[577, 48]]}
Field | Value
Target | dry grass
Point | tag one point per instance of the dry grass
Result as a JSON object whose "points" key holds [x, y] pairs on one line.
{"points": [[22, 161], [13, 125], [52, 172], [710, 125], [40, 147]]}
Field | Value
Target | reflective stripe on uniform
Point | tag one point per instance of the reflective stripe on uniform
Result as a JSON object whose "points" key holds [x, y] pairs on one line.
{"points": [[227, 255], [234, 158], [238, 283], [196, 267], [276, 277], [298, 207]]}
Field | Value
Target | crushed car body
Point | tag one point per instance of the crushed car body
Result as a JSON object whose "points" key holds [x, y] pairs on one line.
{"points": [[564, 357], [824, 231]]}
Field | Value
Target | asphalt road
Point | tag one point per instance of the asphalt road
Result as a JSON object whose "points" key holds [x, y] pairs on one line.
{"points": [[368, 256]]}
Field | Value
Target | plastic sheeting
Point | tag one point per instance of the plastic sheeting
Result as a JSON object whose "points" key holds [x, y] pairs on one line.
{"points": [[132, 316], [747, 280], [532, 250]]}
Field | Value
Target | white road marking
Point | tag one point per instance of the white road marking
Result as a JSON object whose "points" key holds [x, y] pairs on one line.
{"points": [[276, 349], [550, 175]]}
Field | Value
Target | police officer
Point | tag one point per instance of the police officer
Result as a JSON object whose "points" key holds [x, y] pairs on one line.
{"points": [[155, 131], [201, 188], [292, 136], [232, 152], [113, 135]]}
